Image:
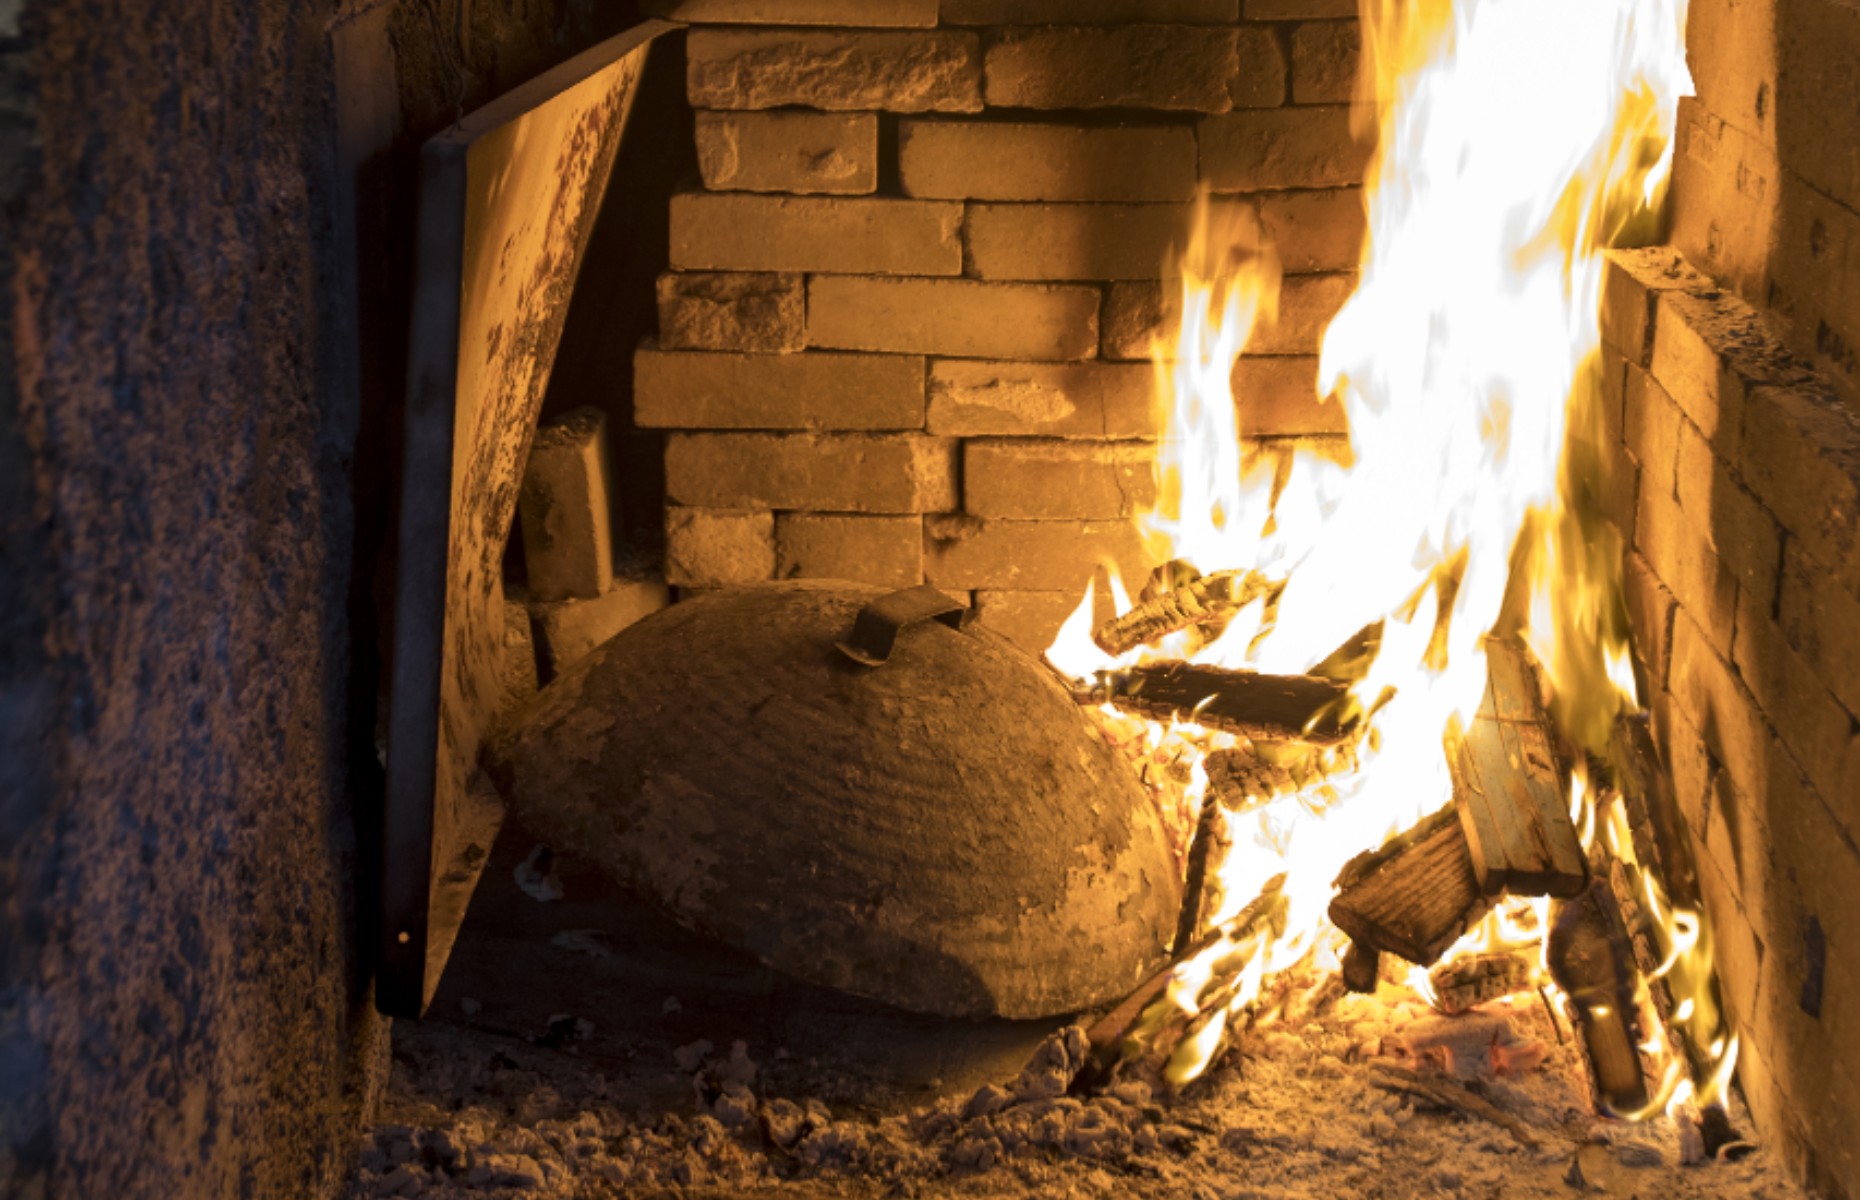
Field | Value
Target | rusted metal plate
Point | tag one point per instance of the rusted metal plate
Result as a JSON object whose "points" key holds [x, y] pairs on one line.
{"points": [[508, 197]]}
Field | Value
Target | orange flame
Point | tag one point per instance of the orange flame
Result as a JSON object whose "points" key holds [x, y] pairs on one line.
{"points": [[1514, 140]]}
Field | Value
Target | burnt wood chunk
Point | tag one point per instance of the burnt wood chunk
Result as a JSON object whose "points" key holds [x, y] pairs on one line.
{"points": [[1661, 842], [1592, 961], [1263, 707], [1362, 968], [1199, 601], [1414, 897], [1508, 790], [1477, 978]]}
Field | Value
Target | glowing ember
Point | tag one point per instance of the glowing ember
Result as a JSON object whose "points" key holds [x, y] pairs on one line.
{"points": [[1515, 141]]}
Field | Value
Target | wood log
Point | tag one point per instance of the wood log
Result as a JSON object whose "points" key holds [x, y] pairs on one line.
{"points": [[1300, 708], [1415, 896], [1200, 601], [1591, 960], [1477, 978], [1509, 791], [1362, 968]]}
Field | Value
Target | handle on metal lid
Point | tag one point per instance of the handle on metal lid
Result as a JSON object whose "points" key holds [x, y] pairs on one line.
{"points": [[875, 631]]}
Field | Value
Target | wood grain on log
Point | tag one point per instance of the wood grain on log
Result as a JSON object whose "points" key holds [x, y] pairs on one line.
{"points": [[1477, 978], [1264, 707], [1508, 790], [1415, 896]]}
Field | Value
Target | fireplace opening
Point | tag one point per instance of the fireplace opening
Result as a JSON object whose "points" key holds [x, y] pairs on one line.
{"points": [[1200, 597]]}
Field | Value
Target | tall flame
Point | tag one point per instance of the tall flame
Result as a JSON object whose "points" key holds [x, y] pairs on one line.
{"points": [[1514, 140]]}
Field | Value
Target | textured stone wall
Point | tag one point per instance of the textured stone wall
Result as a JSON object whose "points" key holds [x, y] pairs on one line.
{"points": [[1767, 175], [1738, 490], [906, 329], [186, 687]]}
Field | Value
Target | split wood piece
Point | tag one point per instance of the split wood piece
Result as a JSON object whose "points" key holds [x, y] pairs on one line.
{"points": [[1264, 707], [1415, 896], [1508, 789], [1129, 1029], [1591, 960], [1662, 846], [1446, 1093], [1198, 602], [1195, 884], [1477, 978], [1362, 968]]}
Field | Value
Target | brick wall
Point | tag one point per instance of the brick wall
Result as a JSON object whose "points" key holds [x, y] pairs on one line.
{"points": [[1739, 493], [905, 329], [1767, 172]]}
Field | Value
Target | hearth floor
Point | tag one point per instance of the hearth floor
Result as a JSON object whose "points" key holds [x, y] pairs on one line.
{"points": [[582, 1047]]}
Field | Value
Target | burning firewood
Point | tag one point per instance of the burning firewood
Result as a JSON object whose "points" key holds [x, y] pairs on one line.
{"points": [[1148, 1025], [1201, 601], [1591, 960], [1300, 708], [1413, 897], [1477, 978], [1509, 792]]}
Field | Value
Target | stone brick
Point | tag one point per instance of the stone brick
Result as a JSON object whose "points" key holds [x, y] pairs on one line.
{"points": [[1316, 231], [1808, 719], [1281, 148], [1028, 619], [1817, 120], [1180, 67], [1278, 397], [1742, 533], [1071, 241], [1089, 12], [1726, 185], [788, 151], [966, 552], [1136, 312], [1650, 610], [846, 472], [1813, 291], [710, 547], [1710, 350], [980, 398], [565, 508], [961, 318], [932, 71], [1682, 557], [696, 390], [990, 160], [1821, 620], [1718, 704], [1631, 282], [738, 232], [1650, 430], [1298, 10], [881, 551], [1324, 57], [517, 675], [1801, 455], [567, 630], [872, 13], [758, 313], [1055, 480]]}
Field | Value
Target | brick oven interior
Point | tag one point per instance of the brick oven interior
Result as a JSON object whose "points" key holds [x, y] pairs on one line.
{"points": [[872, 296]]}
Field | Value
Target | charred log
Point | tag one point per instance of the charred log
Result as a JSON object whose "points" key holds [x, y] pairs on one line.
{"points": [[1263, 707], [1415, 896], [1591, 960], [1362, 968], [1201, 601], [1477, 978]]}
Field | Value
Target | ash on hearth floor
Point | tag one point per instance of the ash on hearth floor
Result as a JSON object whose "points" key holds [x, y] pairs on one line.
{"points": [[603, 1055]]}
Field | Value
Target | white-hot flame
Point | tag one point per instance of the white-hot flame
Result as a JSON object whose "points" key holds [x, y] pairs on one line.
{"points": [[1514, 140]]}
